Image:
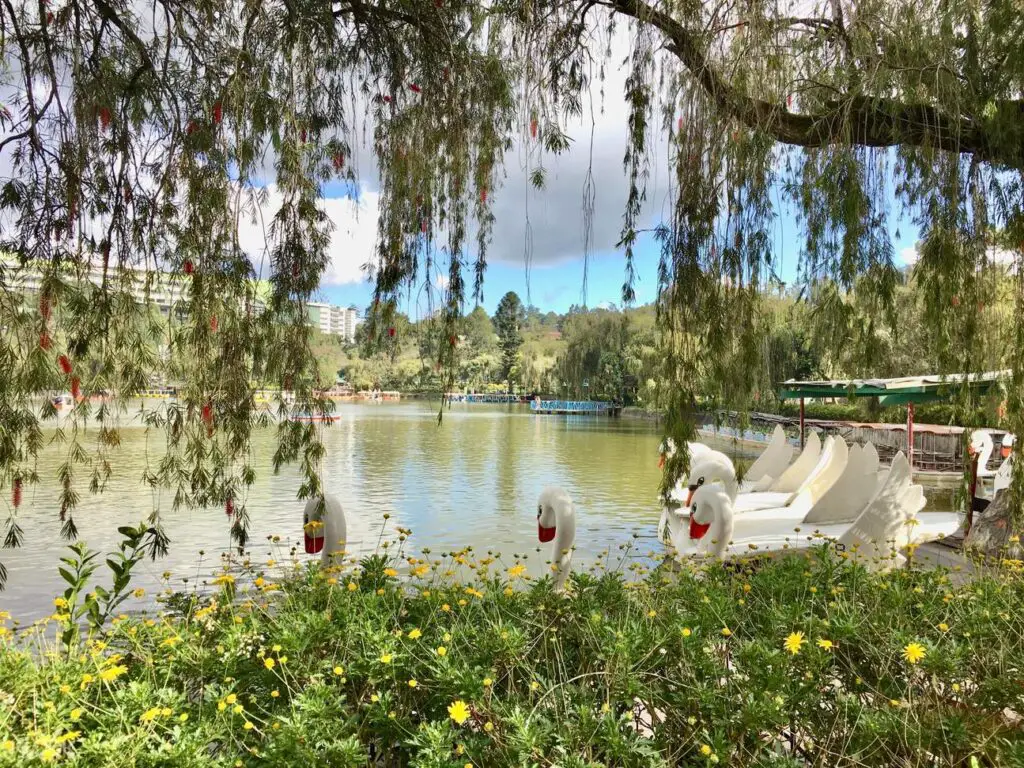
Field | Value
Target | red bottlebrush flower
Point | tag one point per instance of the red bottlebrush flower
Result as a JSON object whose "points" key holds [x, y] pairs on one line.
{"points": [[214, 325], [16, 493], [76, 388], [391, 332], [44, 341], [44, 307], [208, 414], [338, 161], [218, 113], [188, 267], [414, 88], [104, 118], [483, 195], [229, 506], [387, 99], [956, 301], [533, 128], [65, 364], [191, 128]]}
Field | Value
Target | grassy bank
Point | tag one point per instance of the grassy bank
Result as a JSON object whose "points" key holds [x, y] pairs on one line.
{"points": [[805, 661]]}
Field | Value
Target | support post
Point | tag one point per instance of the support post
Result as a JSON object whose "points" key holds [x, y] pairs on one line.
{"points": [[974, 492], [801, 423], [910, 437]]}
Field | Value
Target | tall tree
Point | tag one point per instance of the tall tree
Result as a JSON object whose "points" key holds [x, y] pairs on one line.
{"points": [[509, 319]]}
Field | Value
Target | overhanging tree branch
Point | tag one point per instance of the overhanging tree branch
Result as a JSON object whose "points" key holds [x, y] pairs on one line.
{"points": [[856, 119]]}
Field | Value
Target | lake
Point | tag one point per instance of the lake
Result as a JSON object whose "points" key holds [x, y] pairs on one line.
{"points": [[473, 480]]}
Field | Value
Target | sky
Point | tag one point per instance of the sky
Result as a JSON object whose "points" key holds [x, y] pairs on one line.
{"points": [[550, 220]]}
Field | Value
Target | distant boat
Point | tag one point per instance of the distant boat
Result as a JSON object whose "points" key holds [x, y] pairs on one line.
{"points": [[306, 416]]}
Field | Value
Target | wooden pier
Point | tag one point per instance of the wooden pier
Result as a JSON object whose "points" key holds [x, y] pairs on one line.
{"points": [[482, 397], [575, 407]]}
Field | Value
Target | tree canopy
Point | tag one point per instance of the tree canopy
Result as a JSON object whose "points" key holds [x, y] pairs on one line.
{"points": [[137, 135]]}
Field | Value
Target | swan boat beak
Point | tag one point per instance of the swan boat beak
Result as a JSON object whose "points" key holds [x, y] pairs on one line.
{"points": [[1006, 451], [661, 461], [545, 534], [698, 530], [689, 497], [314, 533]]}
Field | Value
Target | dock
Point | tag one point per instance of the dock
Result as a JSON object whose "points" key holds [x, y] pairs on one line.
{"points": [[482, 397], [575, 407]]}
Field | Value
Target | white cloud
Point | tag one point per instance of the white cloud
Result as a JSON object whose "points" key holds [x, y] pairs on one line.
{"points": [[352, 239], [909, 255], [1001, 256]]}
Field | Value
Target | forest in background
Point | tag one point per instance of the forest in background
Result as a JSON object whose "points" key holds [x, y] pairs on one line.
{"points": [[613, 354]]}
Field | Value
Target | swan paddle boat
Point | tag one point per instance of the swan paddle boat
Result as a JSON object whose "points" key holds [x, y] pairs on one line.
{"points": [[887, 522], [982, 446]]}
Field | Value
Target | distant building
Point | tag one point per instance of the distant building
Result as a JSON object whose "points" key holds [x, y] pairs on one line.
{"points": [[337, 321]]}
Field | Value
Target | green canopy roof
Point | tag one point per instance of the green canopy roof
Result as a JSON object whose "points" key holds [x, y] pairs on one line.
{"points": [[911, 389]]}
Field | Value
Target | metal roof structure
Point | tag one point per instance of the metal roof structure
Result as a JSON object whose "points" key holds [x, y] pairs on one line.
{"points": [[899, 391]]}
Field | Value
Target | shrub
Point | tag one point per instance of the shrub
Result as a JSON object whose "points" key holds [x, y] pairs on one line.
{"points": [[804, 660]]}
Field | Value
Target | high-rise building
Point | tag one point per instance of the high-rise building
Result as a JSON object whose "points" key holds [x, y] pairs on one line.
{"points": [[338, 321]]}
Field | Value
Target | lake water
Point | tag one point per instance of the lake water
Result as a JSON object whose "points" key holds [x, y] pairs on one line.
{"points": [[473, 480]]}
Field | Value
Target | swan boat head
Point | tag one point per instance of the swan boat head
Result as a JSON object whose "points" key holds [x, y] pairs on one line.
{"points": [[1006, 446], [711, 520], [556, 521], [323, 523]]}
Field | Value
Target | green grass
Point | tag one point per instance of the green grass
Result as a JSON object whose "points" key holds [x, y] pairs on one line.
{"points": [[345, 668]]}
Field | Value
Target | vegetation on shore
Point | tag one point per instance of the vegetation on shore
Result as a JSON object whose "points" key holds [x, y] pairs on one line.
{"points": [[804, 660]]}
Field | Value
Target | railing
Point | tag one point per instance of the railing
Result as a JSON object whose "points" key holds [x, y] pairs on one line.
{"points": [[571, 406]]}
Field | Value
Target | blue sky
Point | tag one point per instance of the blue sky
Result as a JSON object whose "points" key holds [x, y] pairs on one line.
{"points": [[559, 284]]}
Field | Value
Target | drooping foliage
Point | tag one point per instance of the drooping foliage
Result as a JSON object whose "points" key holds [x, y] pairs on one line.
{"points": [[136, 137]]}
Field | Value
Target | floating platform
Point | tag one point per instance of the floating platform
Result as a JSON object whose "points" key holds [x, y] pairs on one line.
{"points": [[575, 407]]}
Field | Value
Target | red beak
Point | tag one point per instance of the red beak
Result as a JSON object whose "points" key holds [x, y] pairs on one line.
{"points": [[661, 461], [314, 544], [1006, 451], [545, 534], [697, 530]]}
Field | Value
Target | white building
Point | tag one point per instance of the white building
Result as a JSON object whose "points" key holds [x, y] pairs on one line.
{"points": [[338, 321]]}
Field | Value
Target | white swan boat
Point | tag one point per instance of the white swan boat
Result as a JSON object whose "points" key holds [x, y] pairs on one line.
{"points": [[878, 533]]}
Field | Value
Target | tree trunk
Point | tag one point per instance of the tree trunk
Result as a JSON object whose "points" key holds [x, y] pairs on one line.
{"points": [[992, 529]]}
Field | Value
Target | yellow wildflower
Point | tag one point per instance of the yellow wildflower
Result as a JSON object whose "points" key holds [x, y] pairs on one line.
{"points": [[238, 709], [283, 659], [275, 693], [914, 652], [446, 607], [534, 686], [413, 683], [269, 663], [339, 671], [488, 682], [248, 726], [944, 627], [651, 614], [488, 727], [462, 602], [446, 637], [390, 572], [793, 642], [112, 673], [60, 602], [183, 717], [76, 714], [224, 578], [726, 632], [221, 706], [8, 746], [231, 698], [415, 634], [441, 651], [705, 749], [458, 711], [824, 644], [150, 715], [685, 632], [385, 658], [352, 586], [48, 755], [508, 591], [140, 592]]}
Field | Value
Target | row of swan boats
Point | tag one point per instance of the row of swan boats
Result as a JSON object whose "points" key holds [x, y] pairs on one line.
{"points": [[830, 492]]}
